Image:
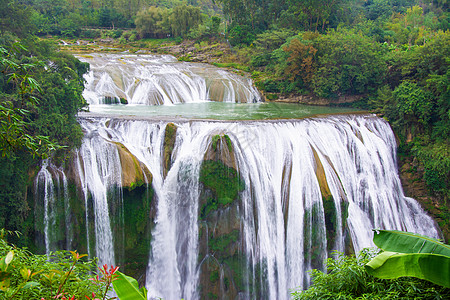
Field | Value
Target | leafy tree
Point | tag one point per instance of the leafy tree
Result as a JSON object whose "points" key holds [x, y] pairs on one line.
{"points": [[20, 88], [301, 62], [314, 14], [241, 35], [413, 103], [15, 18], [183, 18], [347, 63], [153, 22], [40, 93]]}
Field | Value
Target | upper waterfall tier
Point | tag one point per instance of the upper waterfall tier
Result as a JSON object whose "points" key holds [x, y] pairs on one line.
{"points": [[161, 79]]}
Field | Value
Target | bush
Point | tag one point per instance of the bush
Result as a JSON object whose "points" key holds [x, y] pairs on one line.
{"points": [[346, 278], [241, 34], [29, 276]]}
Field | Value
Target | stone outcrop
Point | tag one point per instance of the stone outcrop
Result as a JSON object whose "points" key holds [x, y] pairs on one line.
{"points": [[170, 135], [220, 231], [134, 172], [314, 100]]}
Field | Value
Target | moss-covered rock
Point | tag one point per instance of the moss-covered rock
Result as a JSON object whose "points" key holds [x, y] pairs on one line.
{"points": [[138, 216], [221, 149], [219, 176], [220, 229], [170, 135], [134, 172], [329, 205], [224, 182]]}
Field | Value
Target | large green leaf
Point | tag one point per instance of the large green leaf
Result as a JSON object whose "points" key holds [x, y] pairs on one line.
{"points": [[406, 242], [431, 267], [127, 288]]}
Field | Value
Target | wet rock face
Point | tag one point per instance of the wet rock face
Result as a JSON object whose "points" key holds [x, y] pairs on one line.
{"points": [[220, 232], [134, 172], [219, 176], [170, 135]]}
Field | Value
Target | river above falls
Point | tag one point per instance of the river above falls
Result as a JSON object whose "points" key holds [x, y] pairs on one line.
{"points": [[215, 111]]}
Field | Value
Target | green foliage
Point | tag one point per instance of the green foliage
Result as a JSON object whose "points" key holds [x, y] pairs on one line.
{"points": [[127, 288], [183, 18], [153, 22], [15, 18], [40, 91], [407, 242], [435, 157], [224, 181], [409, 254], [25, 275], [20, 90], [346, 278], [161, 22], [347, 63], [241, 35], [413, 103]]}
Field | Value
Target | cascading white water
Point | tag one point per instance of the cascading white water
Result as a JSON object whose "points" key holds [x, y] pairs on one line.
{"points": [[99, 172], [51, 192], [44, 181], [67, 210], [161, 79], [283, 219]]}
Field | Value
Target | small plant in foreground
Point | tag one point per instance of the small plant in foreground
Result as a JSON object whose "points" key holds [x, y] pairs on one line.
{"points": [[108, 276], [60, 275]]}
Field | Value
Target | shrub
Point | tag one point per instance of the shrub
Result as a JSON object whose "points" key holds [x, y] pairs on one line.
{"points": [[346, 278], [25, 275]]}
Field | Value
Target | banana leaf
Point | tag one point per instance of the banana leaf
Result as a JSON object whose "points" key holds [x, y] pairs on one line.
{"points": [[127, 288], [406, 242], [431, 267]]}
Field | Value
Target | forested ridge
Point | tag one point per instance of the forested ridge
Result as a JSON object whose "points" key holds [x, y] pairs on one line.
{"points": [[390, 55]]}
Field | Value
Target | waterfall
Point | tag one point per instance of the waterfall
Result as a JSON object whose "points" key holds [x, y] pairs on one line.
{"points": [[52, 219], [156, 80], [99, 172], [311, 186], [217, 209]]}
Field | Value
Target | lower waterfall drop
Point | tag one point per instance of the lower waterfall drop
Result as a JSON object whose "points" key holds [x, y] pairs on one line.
{"points": [[244, 209]]}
